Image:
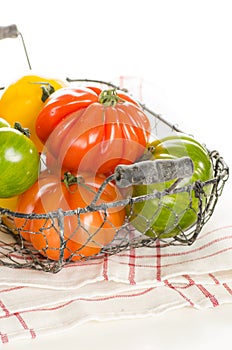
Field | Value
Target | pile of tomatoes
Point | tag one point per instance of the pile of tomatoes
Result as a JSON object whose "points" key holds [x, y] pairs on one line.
{"points": [[84, 133], [78, 136]]}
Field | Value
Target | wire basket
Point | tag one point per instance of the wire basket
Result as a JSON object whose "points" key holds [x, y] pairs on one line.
{"points": [[16, 252]]}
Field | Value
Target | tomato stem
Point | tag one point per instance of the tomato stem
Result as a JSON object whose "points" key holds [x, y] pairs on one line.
{"points": [[24, 131], [144, 107], [109, 98], [147, 155], [47, 89], [70, 179]]}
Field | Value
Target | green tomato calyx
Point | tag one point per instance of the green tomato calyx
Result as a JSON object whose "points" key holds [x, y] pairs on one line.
{"points": [[47, 89], [109, 98], [24, 131]]}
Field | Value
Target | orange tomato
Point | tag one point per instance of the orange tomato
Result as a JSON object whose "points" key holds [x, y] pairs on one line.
{"points": [[45, 235], [85, 233]]}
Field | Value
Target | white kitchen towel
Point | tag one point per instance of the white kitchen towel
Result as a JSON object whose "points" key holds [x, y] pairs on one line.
{"points": [[134, 283]]}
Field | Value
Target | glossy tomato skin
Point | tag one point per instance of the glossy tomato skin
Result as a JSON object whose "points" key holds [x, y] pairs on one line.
{"points": [[22, 100], [178, 212], [26, 202], [97, 228], [4, 123], [19, 162], [85, 234], [57, 107], [8, 203], [86, 134]]}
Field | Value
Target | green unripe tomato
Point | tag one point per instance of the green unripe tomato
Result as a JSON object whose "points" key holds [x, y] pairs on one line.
{"points": [[19, 162], [172, 213]]}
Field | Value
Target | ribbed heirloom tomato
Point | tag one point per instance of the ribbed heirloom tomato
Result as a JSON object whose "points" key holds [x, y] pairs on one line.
{"points": [[86, 233], [87, 129]]}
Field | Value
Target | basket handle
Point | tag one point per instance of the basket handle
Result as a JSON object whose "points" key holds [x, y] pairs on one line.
{"points": [[10, 31], [153, 171]]}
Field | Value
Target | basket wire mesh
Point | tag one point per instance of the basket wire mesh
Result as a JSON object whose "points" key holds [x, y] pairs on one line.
{"points": [[16, 252]]}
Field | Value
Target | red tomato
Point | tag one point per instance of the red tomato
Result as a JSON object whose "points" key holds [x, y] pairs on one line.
{"points": [[84, 234], [90, 131], [65, 101]]}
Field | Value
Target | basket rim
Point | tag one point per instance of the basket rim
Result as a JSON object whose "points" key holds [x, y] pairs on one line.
{"points": [[198, 185]]}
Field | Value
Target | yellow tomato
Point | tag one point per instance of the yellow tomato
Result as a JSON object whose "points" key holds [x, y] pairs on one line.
{"points": [[22, 101], [9, 203]]}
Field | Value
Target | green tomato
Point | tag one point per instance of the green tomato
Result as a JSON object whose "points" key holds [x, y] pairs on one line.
{"points": [[4, 123], [19, 162], [173, 213]]}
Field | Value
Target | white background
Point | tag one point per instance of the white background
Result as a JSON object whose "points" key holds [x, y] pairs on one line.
{"points": [[182, 48]]}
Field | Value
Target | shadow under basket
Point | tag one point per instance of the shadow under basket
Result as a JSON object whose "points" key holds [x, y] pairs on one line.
{"points": [[17, 252]]}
